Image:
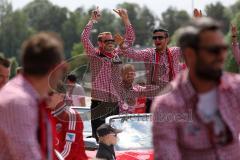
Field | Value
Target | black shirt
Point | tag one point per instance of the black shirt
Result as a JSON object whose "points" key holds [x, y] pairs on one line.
{"points": [[106, 152]]}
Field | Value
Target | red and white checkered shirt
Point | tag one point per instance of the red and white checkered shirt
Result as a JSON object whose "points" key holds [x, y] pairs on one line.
{"points": [[236, 52], [131, 93], [178, 133], [102, 87], [19, 119], [149, 57]]}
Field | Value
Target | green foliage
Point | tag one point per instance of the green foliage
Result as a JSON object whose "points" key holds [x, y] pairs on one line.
{"points": [[172, 19], [14, 65], [220, 13], [39, 15], [13, 31], [79, 61]]}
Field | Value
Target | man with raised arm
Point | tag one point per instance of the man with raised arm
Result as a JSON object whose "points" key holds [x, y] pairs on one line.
{"points": [[104, 99]]}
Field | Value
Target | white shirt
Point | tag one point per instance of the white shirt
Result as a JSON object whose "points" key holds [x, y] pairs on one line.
{"points": [[207, 109], [76, 93]]}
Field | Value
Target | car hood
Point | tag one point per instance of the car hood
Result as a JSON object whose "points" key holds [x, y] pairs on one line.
{"points": [[135, 155], [129, 154]]}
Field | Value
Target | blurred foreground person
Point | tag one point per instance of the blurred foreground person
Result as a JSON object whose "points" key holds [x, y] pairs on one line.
{"points": [[199, 118], [25, 127], [4, 71], [107, 139]]}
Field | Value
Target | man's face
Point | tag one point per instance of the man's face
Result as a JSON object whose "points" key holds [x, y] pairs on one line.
{"points": [[128, 75], [111, 138], [211, 55], [108, 43], [4, 75], [160, 40]]}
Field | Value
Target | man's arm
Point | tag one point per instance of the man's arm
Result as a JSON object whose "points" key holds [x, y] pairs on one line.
{"points": [[164, 133], [89, 48], [154, 90], [235, 44], [129, 36]]}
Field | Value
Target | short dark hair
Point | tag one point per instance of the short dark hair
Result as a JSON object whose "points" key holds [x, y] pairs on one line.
{"points": [[4, 62], [189, 36], [72, 77], [41, 53], [161, 30]]}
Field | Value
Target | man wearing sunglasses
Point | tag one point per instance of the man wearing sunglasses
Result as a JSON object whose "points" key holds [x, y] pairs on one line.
{"points": [[161, 63], [104, 99], [199, 118], [4, 71]]}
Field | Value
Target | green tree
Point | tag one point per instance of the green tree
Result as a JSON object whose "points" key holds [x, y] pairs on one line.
{"points": [[143, 21], [72, 28], [172, 19], [44, 16], [13, 31], [220, 13]]}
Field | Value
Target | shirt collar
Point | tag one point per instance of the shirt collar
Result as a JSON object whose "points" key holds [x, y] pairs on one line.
{"points": [[183, 81]]}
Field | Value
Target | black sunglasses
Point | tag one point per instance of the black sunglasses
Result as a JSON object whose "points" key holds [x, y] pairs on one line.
{"points": [[158, 37], [214, 49], [109, 41]]}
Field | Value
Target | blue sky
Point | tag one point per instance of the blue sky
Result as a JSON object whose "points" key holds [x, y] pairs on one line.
{"points": [[157, 6]]}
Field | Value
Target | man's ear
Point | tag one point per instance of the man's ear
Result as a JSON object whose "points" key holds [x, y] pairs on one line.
{"points": [[168, 40], [189, 56]]}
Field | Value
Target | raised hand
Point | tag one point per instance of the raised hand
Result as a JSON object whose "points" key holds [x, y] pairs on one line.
{"points": [[96, 15], [118, 39], [123, 14], [197, 13]]}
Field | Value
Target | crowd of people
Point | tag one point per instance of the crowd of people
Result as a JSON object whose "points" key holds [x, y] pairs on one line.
{"points": [[37, 122]]}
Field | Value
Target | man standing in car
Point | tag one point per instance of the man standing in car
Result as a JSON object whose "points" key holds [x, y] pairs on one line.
{"points": [[104, 99]]}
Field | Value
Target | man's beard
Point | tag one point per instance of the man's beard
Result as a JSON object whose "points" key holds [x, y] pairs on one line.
{"points": [[206, 72]]}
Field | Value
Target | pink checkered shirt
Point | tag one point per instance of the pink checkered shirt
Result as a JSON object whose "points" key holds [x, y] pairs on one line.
{"points": [[149, 57], [19, 121], [102, 87], [236, 52], [177, 132]]}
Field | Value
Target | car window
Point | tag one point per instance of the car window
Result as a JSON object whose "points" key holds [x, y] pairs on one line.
{"points": [[136, 132], [86, 118]]}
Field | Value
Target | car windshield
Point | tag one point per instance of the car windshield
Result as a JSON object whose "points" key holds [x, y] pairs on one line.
{"points": [[86, 118], [136, 132]]}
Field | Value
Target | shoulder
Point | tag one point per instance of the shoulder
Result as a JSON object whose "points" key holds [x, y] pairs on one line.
{"points": [[16, 96], [171, 101], [231, 81]]}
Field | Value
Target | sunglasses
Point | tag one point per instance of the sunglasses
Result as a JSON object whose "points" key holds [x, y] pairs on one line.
{"points": [[113, 134], [109, 41], [215, 50], [158, 37]]}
